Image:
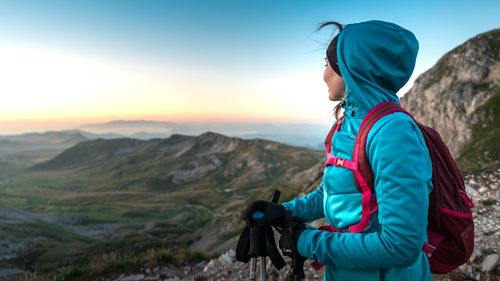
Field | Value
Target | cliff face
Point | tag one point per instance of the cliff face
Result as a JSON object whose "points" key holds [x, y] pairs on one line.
{"points": [[447, 96]]}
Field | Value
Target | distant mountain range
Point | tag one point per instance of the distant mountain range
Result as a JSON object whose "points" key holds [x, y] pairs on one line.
{"points": [[66, 137], [48, 138], [307, 135]]}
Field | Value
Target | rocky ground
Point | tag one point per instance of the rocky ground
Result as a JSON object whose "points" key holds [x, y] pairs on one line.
{"points": [[223, 268], [484, 189]]}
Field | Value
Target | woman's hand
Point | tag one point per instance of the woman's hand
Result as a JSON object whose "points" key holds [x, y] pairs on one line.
{"points": [[273, 214], [290, 234]]}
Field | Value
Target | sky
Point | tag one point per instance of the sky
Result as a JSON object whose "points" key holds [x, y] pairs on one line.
{"points": [[68, 63]]}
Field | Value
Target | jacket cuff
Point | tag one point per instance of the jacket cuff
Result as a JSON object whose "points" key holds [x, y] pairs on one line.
{"points": [[286, 206]]}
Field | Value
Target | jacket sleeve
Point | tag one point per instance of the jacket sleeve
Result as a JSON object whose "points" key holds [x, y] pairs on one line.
{"points": [[309, 207], [402, 172]]}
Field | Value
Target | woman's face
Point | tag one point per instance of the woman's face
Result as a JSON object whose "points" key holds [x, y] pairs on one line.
{"points": [[335, 83]]}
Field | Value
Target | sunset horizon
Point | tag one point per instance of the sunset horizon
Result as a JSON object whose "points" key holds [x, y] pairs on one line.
{"points": [[17, 127]]}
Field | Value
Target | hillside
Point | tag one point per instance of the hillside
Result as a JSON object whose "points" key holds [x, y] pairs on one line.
{"points": [[170, 163]]}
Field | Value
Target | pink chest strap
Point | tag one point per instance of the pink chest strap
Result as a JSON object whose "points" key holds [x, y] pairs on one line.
{"points": [[368, 201]]}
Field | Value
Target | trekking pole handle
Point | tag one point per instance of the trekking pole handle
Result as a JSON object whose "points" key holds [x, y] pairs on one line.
{"points": [[257, 215]]}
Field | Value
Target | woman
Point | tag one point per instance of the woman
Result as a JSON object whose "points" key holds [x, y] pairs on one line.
{"points": [[366, 64]]}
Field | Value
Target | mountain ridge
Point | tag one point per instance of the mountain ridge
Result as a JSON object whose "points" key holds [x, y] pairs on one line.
{"points": [[450, 95]]}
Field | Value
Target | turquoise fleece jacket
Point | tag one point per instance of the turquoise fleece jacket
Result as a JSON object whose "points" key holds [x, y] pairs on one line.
{"points": [[376, 59]]}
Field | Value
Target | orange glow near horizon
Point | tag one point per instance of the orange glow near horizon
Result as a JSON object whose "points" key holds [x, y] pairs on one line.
{"points": [[44, 90], [12, 127]]}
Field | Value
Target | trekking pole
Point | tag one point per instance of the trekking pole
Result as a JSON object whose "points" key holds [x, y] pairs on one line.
{"points": [[253, 268], [255, 231], [263, 269]]}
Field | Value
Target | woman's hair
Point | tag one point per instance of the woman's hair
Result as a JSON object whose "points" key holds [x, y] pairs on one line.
{"points": [[339, 26], [337, 108]]}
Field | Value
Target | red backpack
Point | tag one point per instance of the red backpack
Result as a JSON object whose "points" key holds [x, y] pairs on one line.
{"points": [[450, 226]]}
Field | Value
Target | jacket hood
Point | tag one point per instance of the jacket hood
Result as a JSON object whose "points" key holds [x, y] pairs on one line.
{"points": [[376, 59]]}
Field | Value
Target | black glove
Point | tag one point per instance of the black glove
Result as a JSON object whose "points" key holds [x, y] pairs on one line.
{"points": [[257, 239], [274, 214], [290, 234]]}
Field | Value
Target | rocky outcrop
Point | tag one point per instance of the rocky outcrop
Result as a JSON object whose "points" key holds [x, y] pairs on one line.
{"points": [[446, 96], [196, 169]]}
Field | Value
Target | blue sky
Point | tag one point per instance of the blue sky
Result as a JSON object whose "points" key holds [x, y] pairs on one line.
{"points": [[213, 52], [230, 34]]}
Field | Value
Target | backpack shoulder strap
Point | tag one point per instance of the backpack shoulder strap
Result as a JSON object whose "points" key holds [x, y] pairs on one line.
{"points": [[328, 139], [363, 175], [371, 118]]}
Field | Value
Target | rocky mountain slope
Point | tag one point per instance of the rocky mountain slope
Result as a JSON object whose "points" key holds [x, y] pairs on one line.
{"points": [[211, 158], [459, 97]]}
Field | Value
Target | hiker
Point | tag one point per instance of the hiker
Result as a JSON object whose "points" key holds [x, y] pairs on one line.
{"points": [[366, 64]]}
